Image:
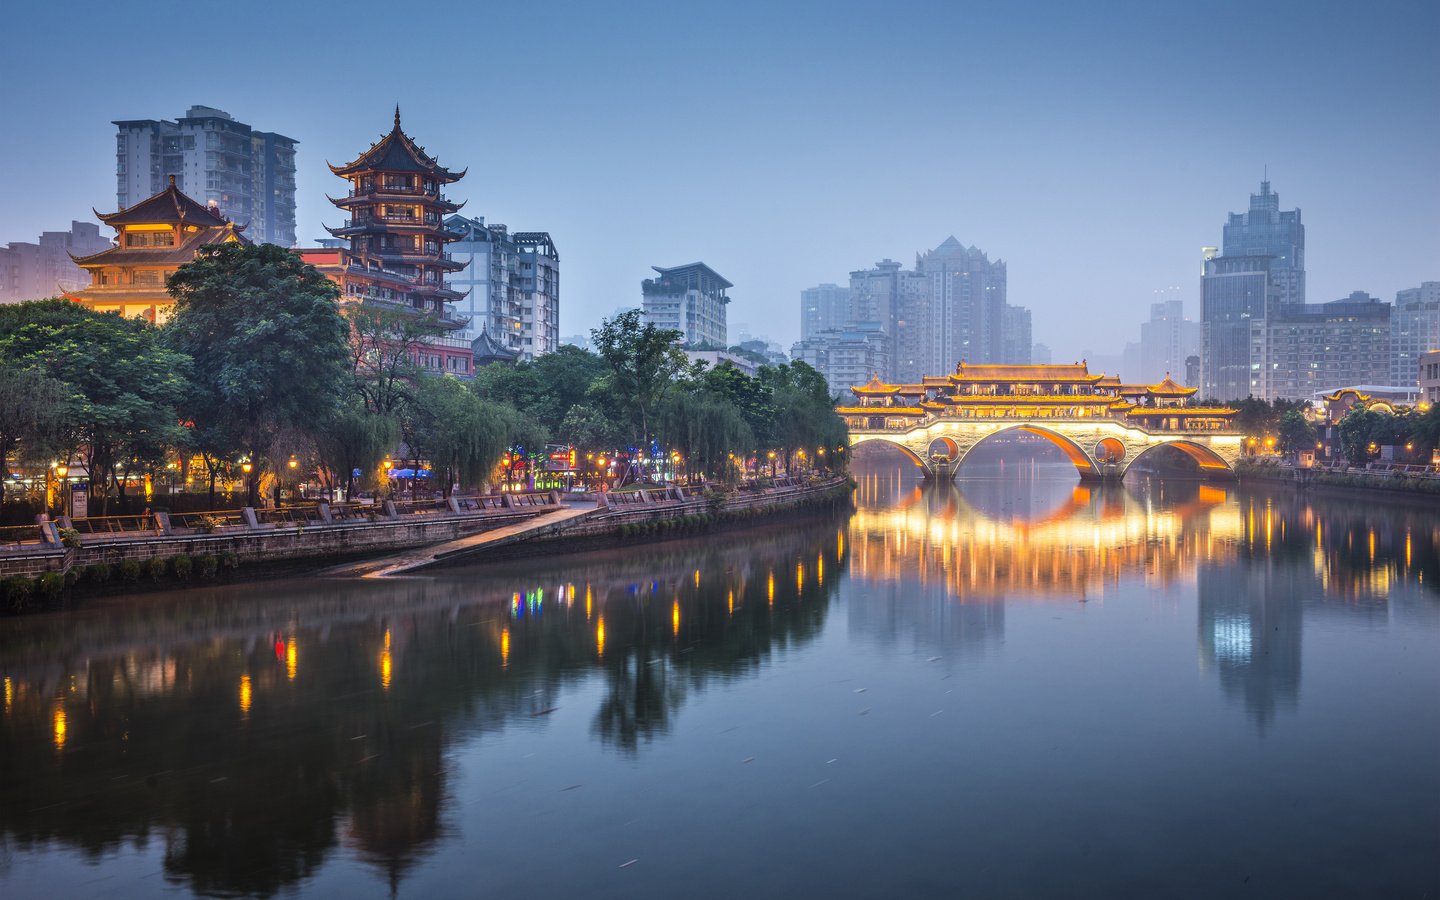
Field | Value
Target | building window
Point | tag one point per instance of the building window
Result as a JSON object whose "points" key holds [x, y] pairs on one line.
{"points": [[148, 278], [150, 239]]}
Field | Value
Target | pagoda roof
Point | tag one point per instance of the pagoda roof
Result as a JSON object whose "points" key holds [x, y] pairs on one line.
{"points": [[183, 252], [1169, 388], [876, 386], [397, 152], [1073, 372], [487, 349], [169, 207], [880, 410]]}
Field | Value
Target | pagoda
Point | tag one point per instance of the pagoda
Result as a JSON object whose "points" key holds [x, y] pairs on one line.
{"points": [[396, 232], [153, 238]]}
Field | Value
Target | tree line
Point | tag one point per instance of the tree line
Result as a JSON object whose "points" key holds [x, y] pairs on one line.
{"points": [[258, 369]]}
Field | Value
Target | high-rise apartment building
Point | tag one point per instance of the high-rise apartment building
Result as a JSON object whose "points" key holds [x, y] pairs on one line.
{"points": [[1166, 340], [823, 307], [32, 271], [690, 299], [950, 308], [248, 174], [847, 356], [1414, 329], [1305, 348], [511, 285]]}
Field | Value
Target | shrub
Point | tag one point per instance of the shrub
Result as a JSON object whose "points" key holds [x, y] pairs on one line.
{"points": [[129, 571], [182, 564], [230, 560], [72, 575], [50, 586], [99, 573], [208, 564], [17, 590], [69, 537], [155, 567]]}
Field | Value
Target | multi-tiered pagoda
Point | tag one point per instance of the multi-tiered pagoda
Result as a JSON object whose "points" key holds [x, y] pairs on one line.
{"points": [[153, 238], [397, 237]]}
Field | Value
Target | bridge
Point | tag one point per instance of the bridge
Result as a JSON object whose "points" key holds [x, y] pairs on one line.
{"points": [[1099, 450], [1102, 425]]}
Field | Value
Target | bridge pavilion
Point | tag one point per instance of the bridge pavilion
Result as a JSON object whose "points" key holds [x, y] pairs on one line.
{"points": [[1102, 423]]}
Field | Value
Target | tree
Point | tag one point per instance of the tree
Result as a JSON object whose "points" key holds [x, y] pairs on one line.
{"points": [[382, 355], [122, 384], [642, 364], [31, 415], [1357, 430], [462, 435], [268, 342], [1296, 432], [354, 438]]}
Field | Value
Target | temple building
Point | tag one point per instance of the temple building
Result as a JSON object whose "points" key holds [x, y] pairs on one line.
{"points": [[1030, 392], [153, 238], [396, 259]]}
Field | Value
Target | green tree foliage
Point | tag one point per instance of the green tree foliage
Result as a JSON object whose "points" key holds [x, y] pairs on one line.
{"points": [[548, 388], [354, 438], [382, 355], [462, 435], [1296, 432], [31, 416], [122, 383], [1261, 418], [270, 348], [805, 418], [642, 367]]}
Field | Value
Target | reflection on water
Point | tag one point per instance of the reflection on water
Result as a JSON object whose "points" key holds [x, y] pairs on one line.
{"points": [[246, 737]]}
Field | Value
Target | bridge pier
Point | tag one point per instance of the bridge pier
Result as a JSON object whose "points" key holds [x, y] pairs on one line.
{"points": [[941, 469]]}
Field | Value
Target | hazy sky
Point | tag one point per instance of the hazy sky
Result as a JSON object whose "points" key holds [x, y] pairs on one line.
{"points": [[1096, 147]]}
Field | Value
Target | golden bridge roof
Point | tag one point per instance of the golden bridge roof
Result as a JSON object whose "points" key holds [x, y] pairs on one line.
{"points": [[1169, 388], [876, 386], [1072, 372]]}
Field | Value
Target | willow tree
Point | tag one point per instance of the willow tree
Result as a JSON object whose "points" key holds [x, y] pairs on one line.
{"points": [[32, 416], [271, 351], [461, 435]]}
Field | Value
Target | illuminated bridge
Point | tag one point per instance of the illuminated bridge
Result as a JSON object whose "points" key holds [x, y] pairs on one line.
{"points": [[1103, 425]]}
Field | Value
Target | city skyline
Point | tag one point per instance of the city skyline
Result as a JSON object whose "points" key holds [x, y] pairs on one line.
{"points": [[1090, 141]]}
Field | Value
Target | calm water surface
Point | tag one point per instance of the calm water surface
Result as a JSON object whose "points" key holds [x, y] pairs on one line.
{"points": [[1015, 687]]}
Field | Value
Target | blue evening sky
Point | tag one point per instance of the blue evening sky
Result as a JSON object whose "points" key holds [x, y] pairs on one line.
{"points": [[1094, 146]]}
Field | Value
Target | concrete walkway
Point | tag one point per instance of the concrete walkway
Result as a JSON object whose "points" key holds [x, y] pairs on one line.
{"points": [[411, 560]]}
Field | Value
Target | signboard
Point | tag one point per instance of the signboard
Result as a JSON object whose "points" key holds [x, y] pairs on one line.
{"points": [[80, 500], [354, 473], [561, 460]]}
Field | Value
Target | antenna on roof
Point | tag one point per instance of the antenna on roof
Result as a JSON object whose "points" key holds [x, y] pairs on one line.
{"points": [[397, 115]]}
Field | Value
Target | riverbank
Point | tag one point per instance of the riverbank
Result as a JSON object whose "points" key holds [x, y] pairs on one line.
{"points": [[65, 563], [1389, 484]]}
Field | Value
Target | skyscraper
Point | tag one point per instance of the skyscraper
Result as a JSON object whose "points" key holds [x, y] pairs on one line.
{"points": [[950, 308], [1233, 291], [1260, 269], [248, 174], [1304, 348], [1165, 342], [823, 307], [1414, 329], [1266, 231]]}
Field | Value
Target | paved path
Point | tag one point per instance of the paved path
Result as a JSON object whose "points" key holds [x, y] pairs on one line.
{"points": [[410, 560]]}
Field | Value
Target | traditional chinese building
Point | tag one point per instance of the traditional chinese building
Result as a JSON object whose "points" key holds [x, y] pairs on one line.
{"points": [[396, 259], [1029, 393], [153, 238]]}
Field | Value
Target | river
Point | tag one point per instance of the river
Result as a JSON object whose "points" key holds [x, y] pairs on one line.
{"points": [[1016, 686]]}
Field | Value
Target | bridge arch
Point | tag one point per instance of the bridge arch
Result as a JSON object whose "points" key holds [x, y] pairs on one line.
{"points": [[1073, 451], [1210, 462], [911, 455]]}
